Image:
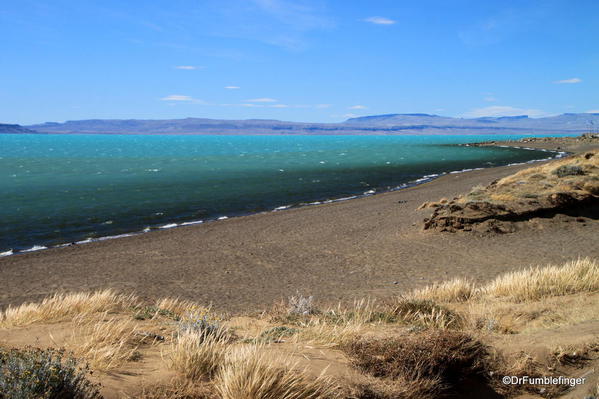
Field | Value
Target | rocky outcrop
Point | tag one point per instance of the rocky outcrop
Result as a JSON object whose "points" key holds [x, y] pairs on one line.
{"points": [[568, 187], [484, 216]]}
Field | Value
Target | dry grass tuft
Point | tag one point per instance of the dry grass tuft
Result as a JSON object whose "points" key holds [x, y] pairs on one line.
{"points": [[178, 389], [426, 313], [180, 307], [339, 325], [249, 374], [197, 355], [319, 332], [530, 284], [61, 306], [106, 344], [533, 284], [456, 290]]}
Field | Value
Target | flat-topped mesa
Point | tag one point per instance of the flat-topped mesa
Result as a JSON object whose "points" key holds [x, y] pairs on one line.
{"points": [[569, 186]]}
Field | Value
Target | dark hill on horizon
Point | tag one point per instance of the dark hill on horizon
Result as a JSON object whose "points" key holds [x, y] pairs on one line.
{"points": [[13, 128], [389, 124]]}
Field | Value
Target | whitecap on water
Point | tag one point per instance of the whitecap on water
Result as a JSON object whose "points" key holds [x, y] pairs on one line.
{"points": [[192, 222], [115, 236], [35, 248], [169, 226]]}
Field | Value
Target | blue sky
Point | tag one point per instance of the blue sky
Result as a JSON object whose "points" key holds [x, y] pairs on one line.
{"points": [[304, 60]]}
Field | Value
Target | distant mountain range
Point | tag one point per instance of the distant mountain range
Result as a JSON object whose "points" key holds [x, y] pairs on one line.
{"points": [[390, 124], [6, 128]]}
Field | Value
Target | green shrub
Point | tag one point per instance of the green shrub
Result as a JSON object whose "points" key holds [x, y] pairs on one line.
{"points": [[43, 374], [275, 334], [568, 170], [150, 312]]}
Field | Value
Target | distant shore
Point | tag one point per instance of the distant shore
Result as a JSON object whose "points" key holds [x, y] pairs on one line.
{"points": [[372, 246]]}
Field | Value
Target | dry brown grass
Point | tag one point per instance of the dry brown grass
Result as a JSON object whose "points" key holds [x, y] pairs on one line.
{"points": [[543, 180], [61, 306], [341, 324], [180, 307], [319, 332], [456, 290], [425, 313], [177, 389], [532, 284], [420, 345], [106, 343], [249, 373], [196, 355]]}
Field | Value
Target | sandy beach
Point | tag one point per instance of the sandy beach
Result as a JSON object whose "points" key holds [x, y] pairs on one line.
{"points": [[367, 247]]}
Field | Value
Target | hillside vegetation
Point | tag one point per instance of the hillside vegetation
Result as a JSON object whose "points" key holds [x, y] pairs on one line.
{"points": [[447, 339]]}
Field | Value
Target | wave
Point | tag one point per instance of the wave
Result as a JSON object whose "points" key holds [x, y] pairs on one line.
{"points": [[192, 222], [34, 248], [168, 226]]}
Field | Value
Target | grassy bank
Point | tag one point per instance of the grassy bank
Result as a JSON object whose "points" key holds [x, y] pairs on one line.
{"points": [[445, 339]]}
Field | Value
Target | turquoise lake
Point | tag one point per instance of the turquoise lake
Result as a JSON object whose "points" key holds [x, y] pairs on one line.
{"points": [[57, 189]]}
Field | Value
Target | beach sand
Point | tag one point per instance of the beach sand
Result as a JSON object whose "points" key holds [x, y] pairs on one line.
{"points": [[367, 247]]}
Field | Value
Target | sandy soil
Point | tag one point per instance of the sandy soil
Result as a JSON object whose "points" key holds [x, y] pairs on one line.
{"points": [[372, 246]]}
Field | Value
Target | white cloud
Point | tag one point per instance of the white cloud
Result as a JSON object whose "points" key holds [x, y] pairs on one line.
{"points": [[380, 21], [357, 107], [503, 110], [186, 67], [177, 97], [232, 87], [251, 105], [321, 106], [568, 81], [490, 99], [174, 98], [592, 111], [262, 100], [279, 106]]}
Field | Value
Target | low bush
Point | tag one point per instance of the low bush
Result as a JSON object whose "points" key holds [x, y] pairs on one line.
{"points": [[301, 305], [151, 312], [274, 334], [446, 357], [45, 374], [568, 170], [202, 325]]}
